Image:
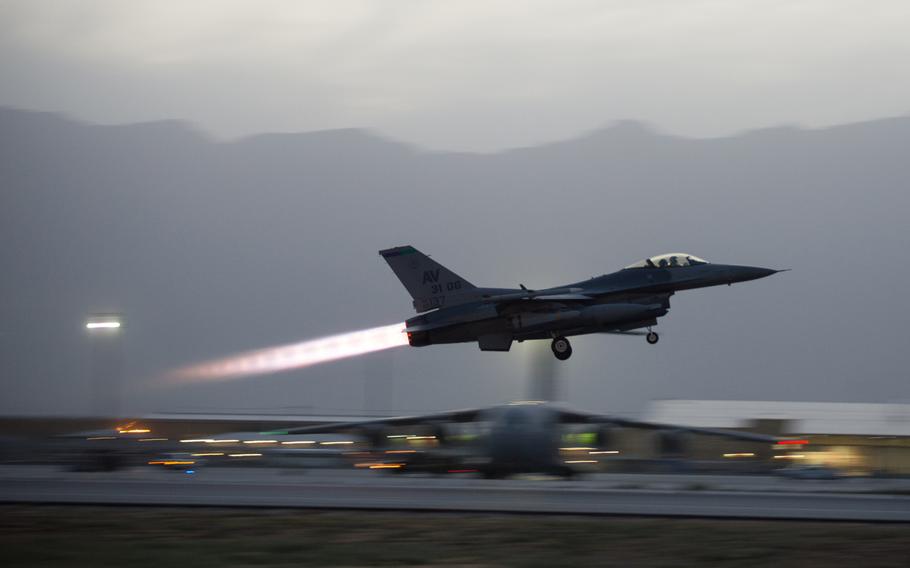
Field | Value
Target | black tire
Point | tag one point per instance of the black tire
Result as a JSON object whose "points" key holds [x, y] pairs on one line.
{"points": [[561, 347], [652, 337]]}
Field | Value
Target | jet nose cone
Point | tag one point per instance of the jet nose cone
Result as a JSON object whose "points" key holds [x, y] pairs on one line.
{"points": [[746, 273]]}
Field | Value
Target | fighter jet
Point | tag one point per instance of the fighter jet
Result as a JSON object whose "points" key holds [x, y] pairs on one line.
{"points": [[456, 311], [515, 438]]}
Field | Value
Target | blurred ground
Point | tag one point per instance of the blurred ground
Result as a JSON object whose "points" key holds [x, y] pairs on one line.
{"points": [[665, 495], [137, 537]]}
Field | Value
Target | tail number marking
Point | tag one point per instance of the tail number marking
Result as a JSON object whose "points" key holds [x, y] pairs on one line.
{"points": [[448, 287]]}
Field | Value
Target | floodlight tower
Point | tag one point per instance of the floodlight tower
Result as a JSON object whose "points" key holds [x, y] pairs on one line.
{"points": [[543, 375], [105, 331], [378, 383]]}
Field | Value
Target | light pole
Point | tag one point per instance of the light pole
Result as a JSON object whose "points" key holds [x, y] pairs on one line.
{"points": [[104, 331], [543, 377], [379, 383]]}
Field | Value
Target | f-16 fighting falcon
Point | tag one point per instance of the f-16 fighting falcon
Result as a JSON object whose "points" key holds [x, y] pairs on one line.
{"points": [[622, 302]]}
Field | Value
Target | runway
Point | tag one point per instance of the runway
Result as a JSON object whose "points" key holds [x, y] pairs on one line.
{"points": [[345, 489]]}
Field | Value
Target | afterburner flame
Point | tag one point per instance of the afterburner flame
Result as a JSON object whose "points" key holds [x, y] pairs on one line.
{"points": [[296, 355]]}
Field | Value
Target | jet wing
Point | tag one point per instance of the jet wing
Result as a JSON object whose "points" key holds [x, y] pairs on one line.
{"points": [[464, 415], [490, 305], [582, 417], [563, 297], [526, 294]]}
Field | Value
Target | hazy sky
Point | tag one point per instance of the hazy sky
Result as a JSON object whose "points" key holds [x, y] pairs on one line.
{"points": [[459, 75], [216, 248]]}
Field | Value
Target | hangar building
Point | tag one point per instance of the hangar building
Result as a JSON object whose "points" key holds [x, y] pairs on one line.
{"points": [[862, 438]]}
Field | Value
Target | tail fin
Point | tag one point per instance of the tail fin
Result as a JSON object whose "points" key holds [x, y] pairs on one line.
{"points": [[431, 284]]}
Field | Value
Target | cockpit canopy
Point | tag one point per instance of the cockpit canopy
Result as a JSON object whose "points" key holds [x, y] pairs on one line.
{"points": [[671, 260]]}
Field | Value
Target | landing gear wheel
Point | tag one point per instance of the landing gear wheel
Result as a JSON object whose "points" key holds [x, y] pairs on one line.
{"points": [[561, 348], [652, 337]]}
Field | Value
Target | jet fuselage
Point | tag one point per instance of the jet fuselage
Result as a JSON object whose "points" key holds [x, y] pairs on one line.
{"points": [[456, 311]]}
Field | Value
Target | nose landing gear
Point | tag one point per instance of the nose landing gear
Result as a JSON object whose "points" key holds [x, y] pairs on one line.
{"points": [[561, 347]]}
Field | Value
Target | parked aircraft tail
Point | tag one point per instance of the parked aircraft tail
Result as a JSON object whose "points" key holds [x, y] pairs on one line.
{"points": [[431, 284]]}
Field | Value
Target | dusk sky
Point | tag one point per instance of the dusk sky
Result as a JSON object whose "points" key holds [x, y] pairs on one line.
{"points": [[459, 75], [767, 133]]}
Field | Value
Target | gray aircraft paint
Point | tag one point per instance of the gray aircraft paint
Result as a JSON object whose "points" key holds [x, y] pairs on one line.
{"points": [[620, 302]]}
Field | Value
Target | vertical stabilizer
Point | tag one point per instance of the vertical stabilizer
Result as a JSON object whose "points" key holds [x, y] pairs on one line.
{"points": [[431, 284]]}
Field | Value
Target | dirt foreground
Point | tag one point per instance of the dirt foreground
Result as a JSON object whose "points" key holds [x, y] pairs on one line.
{"points": [[200, 537]]}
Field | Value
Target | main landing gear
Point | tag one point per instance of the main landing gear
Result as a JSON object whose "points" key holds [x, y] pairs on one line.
{"points": [[652, 337], [561, 348]]}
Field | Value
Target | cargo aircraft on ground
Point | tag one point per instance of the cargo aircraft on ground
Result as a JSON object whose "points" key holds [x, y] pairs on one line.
{"points": [[520, 437]]}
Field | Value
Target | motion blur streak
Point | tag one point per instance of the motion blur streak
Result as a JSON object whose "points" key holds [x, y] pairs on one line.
{"points": [[296, 355]]}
